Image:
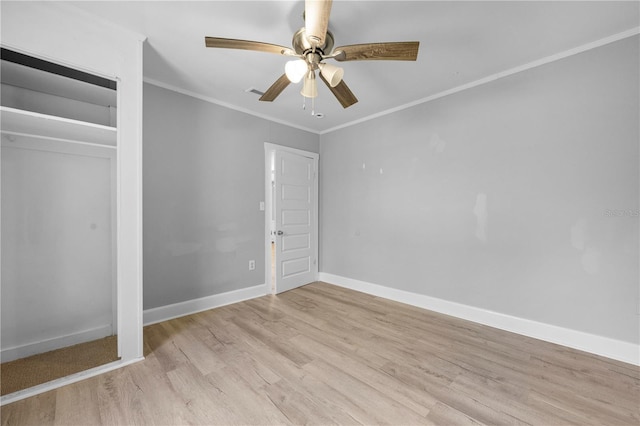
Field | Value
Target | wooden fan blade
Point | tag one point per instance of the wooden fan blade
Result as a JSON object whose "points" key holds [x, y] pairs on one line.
{"points": [[342, 92], [316, 20], [393, 51], [275, 89], [232, 43]]}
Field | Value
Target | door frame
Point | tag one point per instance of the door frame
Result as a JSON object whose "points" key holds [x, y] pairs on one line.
{"points": [[128, 202], [269, 151]]}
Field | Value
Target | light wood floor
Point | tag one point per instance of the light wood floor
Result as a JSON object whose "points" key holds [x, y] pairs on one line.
{"points": [[325, 355]]}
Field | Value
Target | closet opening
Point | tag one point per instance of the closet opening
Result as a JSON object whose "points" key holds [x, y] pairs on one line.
{"points": [[58, 165]]}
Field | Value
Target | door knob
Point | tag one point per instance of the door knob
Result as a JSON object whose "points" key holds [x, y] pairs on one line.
{"points": [[280, 233]]}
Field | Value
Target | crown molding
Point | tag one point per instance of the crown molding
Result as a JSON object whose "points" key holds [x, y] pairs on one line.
{"points": [[225, 104]]}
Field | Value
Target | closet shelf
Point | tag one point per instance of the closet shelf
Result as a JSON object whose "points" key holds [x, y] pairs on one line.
{"points": [[21, 122]]}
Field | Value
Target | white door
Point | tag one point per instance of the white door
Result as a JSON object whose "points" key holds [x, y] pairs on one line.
{"points": [[295, 219]]}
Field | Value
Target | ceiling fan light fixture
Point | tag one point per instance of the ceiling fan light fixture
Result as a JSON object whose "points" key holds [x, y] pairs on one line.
{"points": [[309, 87], [313, 44], [331, 73], [296, 70]]}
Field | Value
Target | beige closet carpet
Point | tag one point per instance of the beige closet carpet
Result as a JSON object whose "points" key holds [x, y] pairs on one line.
{"points": [[37, 369]]}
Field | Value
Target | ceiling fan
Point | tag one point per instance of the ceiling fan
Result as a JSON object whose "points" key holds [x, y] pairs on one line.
{"points": [[312, 45]]}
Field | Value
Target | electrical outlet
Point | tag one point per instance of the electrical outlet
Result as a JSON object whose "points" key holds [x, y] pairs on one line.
{"points": [[252, 265]]}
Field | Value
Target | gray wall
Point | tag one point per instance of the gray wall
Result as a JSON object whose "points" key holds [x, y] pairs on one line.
{"points": [[203, 181], [519, 196]]}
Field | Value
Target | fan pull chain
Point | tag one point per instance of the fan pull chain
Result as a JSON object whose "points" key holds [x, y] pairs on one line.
{"points": [[313, 105], [313, 100]]}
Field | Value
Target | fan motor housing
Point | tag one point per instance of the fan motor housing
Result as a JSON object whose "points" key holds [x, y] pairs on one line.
{"points": [[302, 46]]}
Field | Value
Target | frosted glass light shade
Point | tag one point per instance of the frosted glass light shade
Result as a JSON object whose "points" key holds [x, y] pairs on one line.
{"points": [[295, 70], [309, 87], [331, 73]]}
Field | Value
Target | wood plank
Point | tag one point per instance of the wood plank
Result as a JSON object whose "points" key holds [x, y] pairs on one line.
{"points": [[420, 402], [299, 407], [37, 410], [78, 404]]}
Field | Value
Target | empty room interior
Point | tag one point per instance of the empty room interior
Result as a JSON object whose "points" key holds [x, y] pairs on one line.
{"points": [[320, 212]]}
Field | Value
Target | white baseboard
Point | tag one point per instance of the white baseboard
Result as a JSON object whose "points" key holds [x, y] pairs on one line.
{"points": [[603, 346], [54, 343], [164, 313]]}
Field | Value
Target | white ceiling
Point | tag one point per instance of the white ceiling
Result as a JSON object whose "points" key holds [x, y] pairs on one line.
{"points": [[460, 42]]}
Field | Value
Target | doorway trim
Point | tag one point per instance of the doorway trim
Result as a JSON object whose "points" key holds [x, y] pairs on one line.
{"points": [[269, 151]]}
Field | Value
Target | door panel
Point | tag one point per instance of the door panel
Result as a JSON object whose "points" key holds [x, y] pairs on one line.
{"points": [[296, 217], [296, 193], [295, 242], [295, 208], [295, 267]]}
